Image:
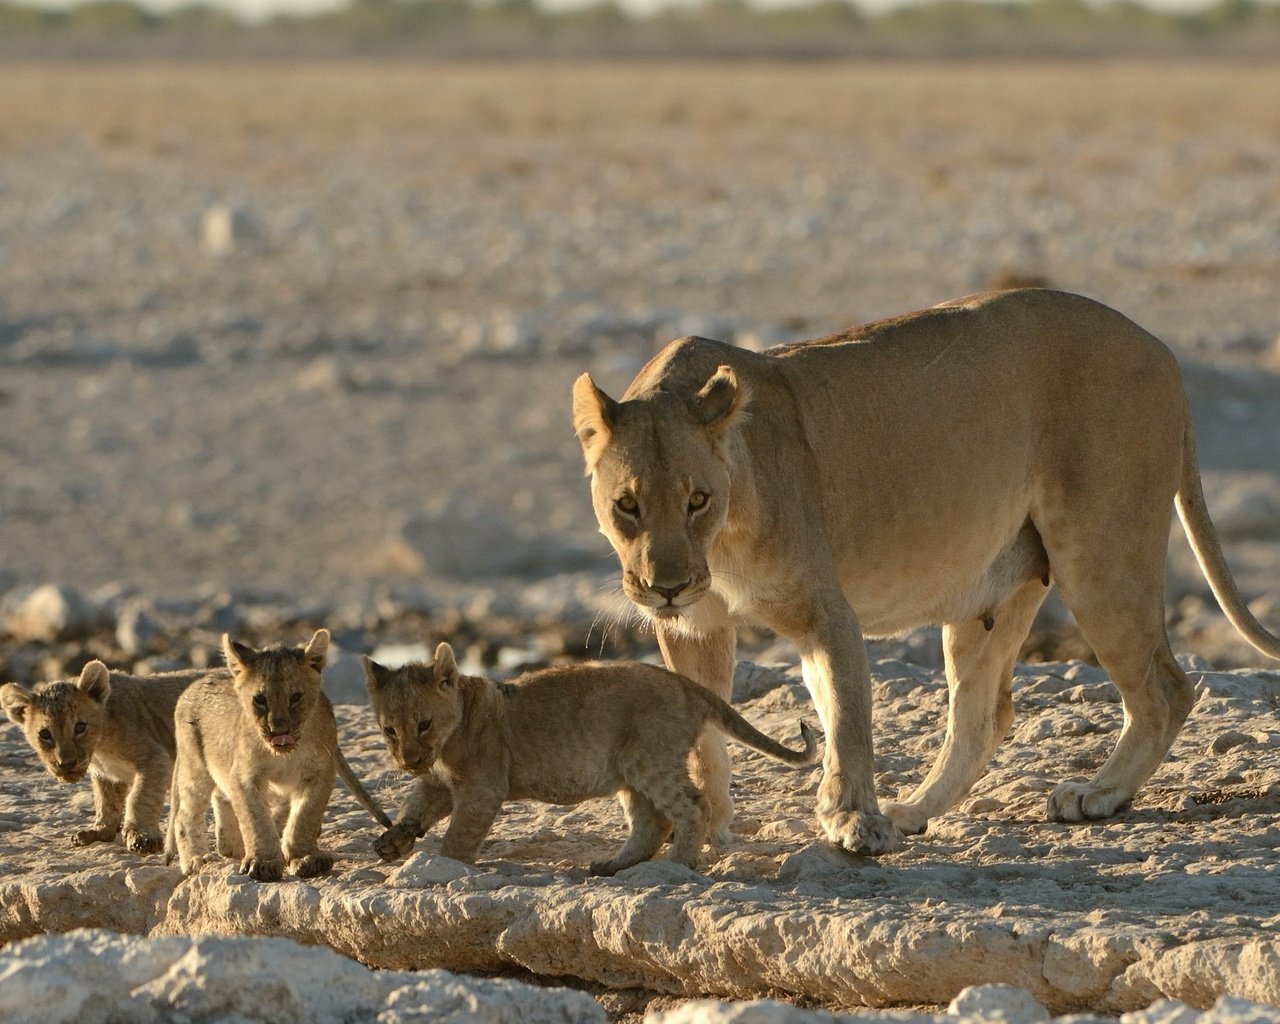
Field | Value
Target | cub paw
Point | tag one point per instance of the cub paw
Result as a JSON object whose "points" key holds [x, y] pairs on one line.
{"points": [[231, 849], [263, 869], [909, 819], [192, 865], [604, 868], [1080, 801], [312, 864], [866, 833], [396, 842], [140, 841], [89, 836]]}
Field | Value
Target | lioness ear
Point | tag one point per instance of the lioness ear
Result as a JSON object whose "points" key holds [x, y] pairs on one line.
{"points": [[375, 676], [238, 656], [446, 666], [721, 399], [316, 653], [95, 680], [593, 418], [15, 700]]}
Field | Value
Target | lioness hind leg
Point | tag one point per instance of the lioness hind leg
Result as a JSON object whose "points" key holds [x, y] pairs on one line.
{"points": [[649, 830], [979, 664]]}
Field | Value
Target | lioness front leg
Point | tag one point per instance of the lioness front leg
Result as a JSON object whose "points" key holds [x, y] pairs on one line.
{"points": [[108, 804], [834, 663], [709, 661], [428, 802]]}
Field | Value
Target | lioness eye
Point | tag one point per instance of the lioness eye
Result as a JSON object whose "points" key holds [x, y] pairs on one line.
{"points": [[424, 726], [260, 701], [628, 505], [46, 737], [296, 698], [81, 727], [391, 733], [698, 500]]}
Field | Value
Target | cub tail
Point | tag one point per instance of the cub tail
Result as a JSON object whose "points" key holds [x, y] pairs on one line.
{"points": [[358, 791], [740, 729]]}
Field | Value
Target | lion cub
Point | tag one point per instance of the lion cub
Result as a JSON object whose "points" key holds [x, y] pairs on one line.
{"points": [[116, 728], [561, 735], [261, 740]]}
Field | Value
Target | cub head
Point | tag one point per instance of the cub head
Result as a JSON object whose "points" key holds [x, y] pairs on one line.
{"points": [[278, 687], [63, 721], [660, 483], [418, 707]]}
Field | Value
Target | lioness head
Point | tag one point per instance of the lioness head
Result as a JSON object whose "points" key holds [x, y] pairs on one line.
{"points": [[63, 720], [660, 483], [418, 707], [278, 687]]}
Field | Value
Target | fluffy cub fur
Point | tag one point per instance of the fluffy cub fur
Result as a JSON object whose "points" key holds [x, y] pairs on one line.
{"points": [[560, 736], [261, 740], [114, 727]]}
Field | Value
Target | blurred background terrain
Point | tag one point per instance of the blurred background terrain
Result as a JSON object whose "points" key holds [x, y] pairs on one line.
{"points": [[289, 342]]}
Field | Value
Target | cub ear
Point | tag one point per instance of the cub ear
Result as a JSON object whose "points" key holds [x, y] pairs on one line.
{"points": [[721, 399], [15, 700], [375, 676], [95, 680], [316, 654], [239, 657], [446, 666], [594, 414]]}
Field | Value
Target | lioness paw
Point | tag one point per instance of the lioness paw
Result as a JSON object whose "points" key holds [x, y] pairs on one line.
{"points": [[141, 841], [89, 836], [1081, 801], [396, 842], [312, 864], [861, 832], [263, 869], [910, 819]]}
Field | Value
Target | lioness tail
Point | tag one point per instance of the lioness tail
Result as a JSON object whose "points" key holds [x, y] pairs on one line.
{"points": [[1194, 514], [358, 791]]}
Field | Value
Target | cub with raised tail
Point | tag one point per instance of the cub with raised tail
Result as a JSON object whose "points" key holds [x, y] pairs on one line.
{"points": [[260, 740], [561, 735], [117, 729]]}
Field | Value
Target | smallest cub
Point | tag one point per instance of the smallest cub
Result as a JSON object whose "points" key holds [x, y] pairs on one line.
{"points": [[561, 736], [116, 728], [261, 740]]}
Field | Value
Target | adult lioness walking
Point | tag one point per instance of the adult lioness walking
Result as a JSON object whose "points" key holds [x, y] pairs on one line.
{"points": [[940, 467]]}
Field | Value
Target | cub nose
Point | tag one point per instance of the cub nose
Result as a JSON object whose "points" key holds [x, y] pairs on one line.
{"points": [[66, 765], [669, 592]]}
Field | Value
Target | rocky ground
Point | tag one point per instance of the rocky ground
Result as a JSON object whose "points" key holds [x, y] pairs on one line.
{"points": [[290, 345]]}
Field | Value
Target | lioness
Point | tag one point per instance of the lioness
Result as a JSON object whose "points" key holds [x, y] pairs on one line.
{"points": [[932, 468], [118, 729], [261, 740], [561, 735]]}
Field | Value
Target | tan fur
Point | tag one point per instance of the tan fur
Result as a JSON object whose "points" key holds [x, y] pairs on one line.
{"points": [[116, 728], [562, 735], [933, 468], [260, 739]]}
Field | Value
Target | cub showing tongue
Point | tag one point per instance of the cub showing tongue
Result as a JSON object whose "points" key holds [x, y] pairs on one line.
{"points": [[284, 739]]}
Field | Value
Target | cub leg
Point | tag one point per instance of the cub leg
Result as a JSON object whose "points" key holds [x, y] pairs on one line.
{"points": [[428, 802], [108, 806], [263, 859], [649, 829], [227, 829], [473, 815], [708, 661], [667, 785], [192, 787], [834, 664], [145, 803], [301, 845], [980, 710]]}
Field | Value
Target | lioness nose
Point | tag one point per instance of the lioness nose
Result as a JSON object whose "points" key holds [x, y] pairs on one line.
{"points": [[669, 592]]}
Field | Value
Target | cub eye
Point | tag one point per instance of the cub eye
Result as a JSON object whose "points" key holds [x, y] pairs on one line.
{"points": [[81, 727], [627, 505], [698, 501], [391, 733], [295, 699], [46, 737], [424, 727], [260, 701]]}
